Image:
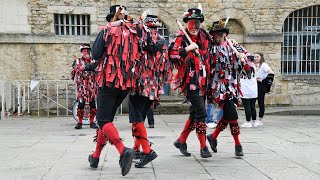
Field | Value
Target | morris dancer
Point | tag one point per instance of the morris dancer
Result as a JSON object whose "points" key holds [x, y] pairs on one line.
{"points": [[226, 66], [116, 48], [153, 71], [191, 60], [84, 76]]}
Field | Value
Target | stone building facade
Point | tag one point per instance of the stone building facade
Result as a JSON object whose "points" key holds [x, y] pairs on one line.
{"points": [[31, 49]]}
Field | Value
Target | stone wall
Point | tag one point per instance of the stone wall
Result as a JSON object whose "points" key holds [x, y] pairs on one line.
{"points": [[37, 61], [255, 16], [257, 24]]}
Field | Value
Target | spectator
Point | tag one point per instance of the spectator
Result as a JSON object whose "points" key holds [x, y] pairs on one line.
{"points": [[264, 72], [249, 89], [150, 118], [210, 122]]}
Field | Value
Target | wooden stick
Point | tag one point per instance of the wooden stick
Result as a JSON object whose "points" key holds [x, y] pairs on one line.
{"points": [[235, 50], [185, 33], [196, 50], [232, 47]]}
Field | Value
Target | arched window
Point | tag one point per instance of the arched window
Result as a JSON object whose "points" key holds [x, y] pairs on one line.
{"points": [[236, 30], [300, 49], [163, 31]]}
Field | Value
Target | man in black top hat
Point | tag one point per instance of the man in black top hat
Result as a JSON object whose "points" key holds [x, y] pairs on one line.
{"points": [[114, 83], [191, 77]]}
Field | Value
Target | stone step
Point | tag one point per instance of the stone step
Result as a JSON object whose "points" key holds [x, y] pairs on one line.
{"points": [[171, 99], [295, 112], [172, 108]]}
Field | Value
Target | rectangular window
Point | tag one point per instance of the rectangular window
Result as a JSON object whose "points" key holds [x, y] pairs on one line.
{"points": [[163, 31], [72, 24]]}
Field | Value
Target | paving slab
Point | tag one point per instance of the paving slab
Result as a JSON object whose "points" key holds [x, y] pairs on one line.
{"points": [[286, 147]]}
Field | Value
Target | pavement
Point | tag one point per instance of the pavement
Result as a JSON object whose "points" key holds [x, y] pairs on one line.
{"points": [[286, 147], [294, 110]]}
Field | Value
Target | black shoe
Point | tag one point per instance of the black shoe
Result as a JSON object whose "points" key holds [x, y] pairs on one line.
{"points": [[151, 126], [125, 161], [138, 154], [182, 147], [146, 158], [78, 126], [205, 153], [238, 150], [213, 143], [93, 161], [93, 126]]}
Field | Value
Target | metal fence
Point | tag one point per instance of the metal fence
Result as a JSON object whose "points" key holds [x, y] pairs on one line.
{"points": [[37, 97]]}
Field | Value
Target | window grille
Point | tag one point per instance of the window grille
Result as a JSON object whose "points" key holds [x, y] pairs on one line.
{"points": [[72, 24], [163, 31], [300, 49]]}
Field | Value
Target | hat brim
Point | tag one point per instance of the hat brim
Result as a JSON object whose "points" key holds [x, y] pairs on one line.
{"points": [[155, 26], [186, 19], [84, 48], [226, 30], [109, 17]]}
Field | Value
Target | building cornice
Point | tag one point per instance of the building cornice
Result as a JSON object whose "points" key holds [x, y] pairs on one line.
{"points": [[261, 38], [43, 39]]}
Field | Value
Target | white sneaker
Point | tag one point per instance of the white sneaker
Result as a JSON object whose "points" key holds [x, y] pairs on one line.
{"points": [[211, 125], [259, 122], [247, 124], [255, 123]]}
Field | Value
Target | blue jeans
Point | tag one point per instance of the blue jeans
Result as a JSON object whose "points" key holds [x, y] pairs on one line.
{"points": [[210, 112]]}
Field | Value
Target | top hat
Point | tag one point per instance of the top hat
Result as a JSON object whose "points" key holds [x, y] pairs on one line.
{"points": [[193, 13], [113, 10], [219, 26], [152, 21]]}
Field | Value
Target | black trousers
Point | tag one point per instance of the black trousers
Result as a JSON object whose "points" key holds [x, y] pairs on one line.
{"points": [[138, 108], [150, 116], [108, 101], [249, 108], [261, 95], [92, 104], [197, 110]]}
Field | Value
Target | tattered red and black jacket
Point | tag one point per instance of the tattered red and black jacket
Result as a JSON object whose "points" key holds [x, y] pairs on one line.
{"points": [[226, 69], [84, 80], [117, 49], [188, 64], [153, 70]]}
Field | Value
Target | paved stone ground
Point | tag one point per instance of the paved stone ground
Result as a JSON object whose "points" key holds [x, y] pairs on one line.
{"points": [[286, 147]]}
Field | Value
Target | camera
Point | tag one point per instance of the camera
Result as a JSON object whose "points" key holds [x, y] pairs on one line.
{"points": [[251, 57]]}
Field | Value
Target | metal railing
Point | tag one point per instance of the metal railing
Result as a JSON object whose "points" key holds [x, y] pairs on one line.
{"points": [[301, 42], [37, 97]]}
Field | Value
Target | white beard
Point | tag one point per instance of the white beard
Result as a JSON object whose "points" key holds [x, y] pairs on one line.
{"points": [[194, 32]]}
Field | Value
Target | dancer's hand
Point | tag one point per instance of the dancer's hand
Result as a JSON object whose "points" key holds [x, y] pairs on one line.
{"points": [[82, 67], [242, 57], [233, 41], [192, 46]]}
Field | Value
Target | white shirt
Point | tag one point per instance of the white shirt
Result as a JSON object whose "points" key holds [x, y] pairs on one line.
{"points": [[249, 87], [263, 71]]}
